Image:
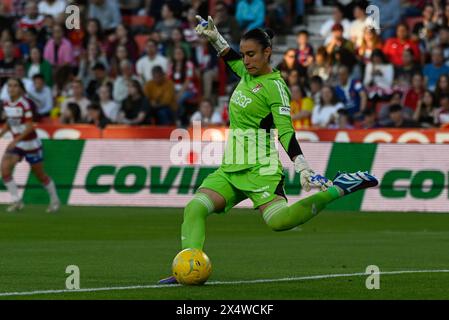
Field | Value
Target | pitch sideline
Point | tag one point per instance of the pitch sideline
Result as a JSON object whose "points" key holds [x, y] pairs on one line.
{"points": [[315, 277]]}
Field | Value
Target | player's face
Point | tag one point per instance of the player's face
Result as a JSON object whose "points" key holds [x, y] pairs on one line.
{"points": [[14, 89], [255, 59]]}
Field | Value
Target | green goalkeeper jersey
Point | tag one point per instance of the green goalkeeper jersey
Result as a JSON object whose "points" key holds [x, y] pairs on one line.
{"points": [[258, 105]]}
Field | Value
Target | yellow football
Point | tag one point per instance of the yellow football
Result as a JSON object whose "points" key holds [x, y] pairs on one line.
{"points": [[191, 267]]}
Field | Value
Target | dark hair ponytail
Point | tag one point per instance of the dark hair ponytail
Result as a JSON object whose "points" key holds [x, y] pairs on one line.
{"points": [[261, 36]]}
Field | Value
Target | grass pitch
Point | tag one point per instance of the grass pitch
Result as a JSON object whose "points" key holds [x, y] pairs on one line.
{"points": [[121, 247]]}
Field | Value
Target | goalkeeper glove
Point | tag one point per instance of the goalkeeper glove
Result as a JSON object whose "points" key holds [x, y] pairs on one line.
{"points": [[209, 30], [308, 177]]}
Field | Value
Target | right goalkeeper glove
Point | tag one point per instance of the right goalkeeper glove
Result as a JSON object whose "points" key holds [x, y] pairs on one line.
{"points": [[209, 30], [308, 177]]}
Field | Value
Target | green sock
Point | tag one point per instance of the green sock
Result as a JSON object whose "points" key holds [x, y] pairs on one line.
{"points": [[193, 230], [281, 217]]}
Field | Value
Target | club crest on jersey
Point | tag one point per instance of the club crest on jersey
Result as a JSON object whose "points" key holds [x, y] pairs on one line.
{"points": [[256, 88]]}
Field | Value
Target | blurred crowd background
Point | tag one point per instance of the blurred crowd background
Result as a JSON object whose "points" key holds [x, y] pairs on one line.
{"points": [[140, 62]]}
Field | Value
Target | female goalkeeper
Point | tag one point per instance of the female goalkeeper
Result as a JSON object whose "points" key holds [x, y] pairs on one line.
{"points": [[259, 103]]}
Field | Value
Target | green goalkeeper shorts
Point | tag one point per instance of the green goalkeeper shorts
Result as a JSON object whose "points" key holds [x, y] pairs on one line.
{"points": [[235, 187]]}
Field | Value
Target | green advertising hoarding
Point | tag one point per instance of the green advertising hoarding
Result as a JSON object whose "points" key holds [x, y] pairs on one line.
{"points": [[158, 173]]}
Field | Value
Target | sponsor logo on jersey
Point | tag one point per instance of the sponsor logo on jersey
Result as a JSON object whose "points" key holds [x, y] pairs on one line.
{"points": [[285, 110], [13, 112], [257, 88], [240, 99]]}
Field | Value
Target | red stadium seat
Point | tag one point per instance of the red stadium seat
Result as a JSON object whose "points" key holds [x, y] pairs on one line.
{"points": [[138, 21], [141, 40]]}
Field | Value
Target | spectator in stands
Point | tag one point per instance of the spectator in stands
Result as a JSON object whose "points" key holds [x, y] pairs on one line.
{"points": [[110, 107], [404, 73], [32, 18], [304, 51], [8, 63], [145, 64], [206, 115], [341, 120], [168, 22], [337, 18], [359, 24], [351, 92], [371, 41], [182, 73], [122, 37], [121, 54], [94, 33], [369, 119], [293, 78], [442, 86], [96, 115], [58, 50], [30, 40], [227, 24], [89, 58], [120, 88], [321, 67], [442, 113], [107, 12], [432, 71], [135, 109], [443, 42], [54, 8], [389, 17], [46, 31], [71, 114], [328, 106], [77, 96], [301, 108], [397, 119], [442, 14], [41, 95], [419, 31], [36, 64], [100, 78], [277, 15], [19, 73], [343, 57], [316, 84], [290, 63], [425, 110], [188, 28], [379, 75], [160, 91], [394, 47], [250, 14], [415, 93], [338, 41], [177, 41], [384, 113]]}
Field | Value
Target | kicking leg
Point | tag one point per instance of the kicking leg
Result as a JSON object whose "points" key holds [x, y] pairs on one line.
{"points": [[281, 217]]}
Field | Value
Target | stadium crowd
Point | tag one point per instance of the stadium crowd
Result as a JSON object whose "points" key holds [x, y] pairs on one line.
{"points": [[140, 62]]}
